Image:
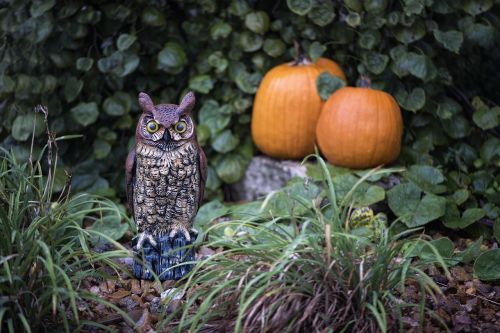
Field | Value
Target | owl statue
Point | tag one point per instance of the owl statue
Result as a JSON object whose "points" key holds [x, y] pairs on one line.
{"points": [[166, 172]]}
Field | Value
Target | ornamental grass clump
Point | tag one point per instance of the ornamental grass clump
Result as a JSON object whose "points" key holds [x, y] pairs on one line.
{"points": [[44, 249], [292, 273]]}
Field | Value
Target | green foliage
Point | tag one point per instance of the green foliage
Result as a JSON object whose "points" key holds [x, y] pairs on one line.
{"points": [[445, 249], [87, 62], [328, 84], [290, 262], [45, 249], [486, 266]]}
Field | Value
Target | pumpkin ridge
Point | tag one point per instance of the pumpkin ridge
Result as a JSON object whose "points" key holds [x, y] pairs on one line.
{"points": [[378, 144]]}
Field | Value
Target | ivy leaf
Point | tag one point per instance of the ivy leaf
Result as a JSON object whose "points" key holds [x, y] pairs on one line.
{"points": [[413, 7], [113, 106], [220, 30], [211, 116], [353, 20], [322, 13], [238, 7], [72, 88], [218, 61], [84, 64], [230, 168], [486, 267], [40, 7], [413, 101], [451, 40], [201, 83], [110, 225], [202, 134], [406, 201], [458, 127], [427, 178], [496, 228], [209, 212], [407, 35], [459, 196], [476, 7], [125, 41], [7, 85], [316, 50], [23, 125], [375, 7], [130, 64], [274, 47], [444, 246], [248, 82], [327, 84], [102, 149], [153, 17], [453, 220], [448, 108], [490, 150], [369, 196], [85, 113], [410, 62], [375, 62], [487, 118], [482, 34], [250, 42], [257, 22], [368, 39], [300, 7], [354, 5], [225, 142], [172, 58], [471, 252]]}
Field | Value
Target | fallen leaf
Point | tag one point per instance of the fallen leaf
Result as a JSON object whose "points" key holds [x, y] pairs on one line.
{"points": [[135, 287], [119, 294]]}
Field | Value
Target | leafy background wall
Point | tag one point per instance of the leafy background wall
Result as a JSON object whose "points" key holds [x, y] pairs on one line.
{"points": [[86, 61]]}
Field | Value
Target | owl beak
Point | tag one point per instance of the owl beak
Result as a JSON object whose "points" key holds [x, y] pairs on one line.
{"points": [[166, 136]]}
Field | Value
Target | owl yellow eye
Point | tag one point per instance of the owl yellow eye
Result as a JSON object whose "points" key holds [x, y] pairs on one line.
{"points": [[152, 127], [180, 126]]}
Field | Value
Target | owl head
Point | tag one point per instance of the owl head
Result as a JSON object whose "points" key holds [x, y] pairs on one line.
{"points": [[165, 126]]}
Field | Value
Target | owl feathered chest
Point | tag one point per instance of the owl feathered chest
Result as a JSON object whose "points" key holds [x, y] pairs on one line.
{"points": [[167, 187]]}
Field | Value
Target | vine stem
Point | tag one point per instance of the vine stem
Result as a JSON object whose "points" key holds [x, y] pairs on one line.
{"points": [[301, 58], [365, 82]]}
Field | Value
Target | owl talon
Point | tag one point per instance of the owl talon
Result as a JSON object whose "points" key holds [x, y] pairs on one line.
{"points": [[143, 236], [182, 230]]}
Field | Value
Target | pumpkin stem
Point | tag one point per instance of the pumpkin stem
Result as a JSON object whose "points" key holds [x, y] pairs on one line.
{"points": [[364, 82], [301, 58]]}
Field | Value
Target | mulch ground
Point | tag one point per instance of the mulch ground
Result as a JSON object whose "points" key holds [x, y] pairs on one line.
{"points": [[467, 304]]}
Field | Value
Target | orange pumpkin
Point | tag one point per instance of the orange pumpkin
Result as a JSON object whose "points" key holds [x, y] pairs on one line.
{"points": [[360, 128], [286, 109]]}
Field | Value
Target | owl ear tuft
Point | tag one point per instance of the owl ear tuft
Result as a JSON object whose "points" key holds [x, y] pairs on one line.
{"points": [[146, 102], [187, 104]]}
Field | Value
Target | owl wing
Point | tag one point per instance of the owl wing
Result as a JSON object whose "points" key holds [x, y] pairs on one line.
{"points": [[130, 178], [203, 174]]}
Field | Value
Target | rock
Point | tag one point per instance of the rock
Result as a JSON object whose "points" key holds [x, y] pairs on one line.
{"points": [[95, 290], [174, 294], [263, 176]]}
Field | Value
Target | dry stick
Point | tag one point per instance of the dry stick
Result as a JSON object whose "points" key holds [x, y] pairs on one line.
{"points": [[329, 250], [475, 295]]}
